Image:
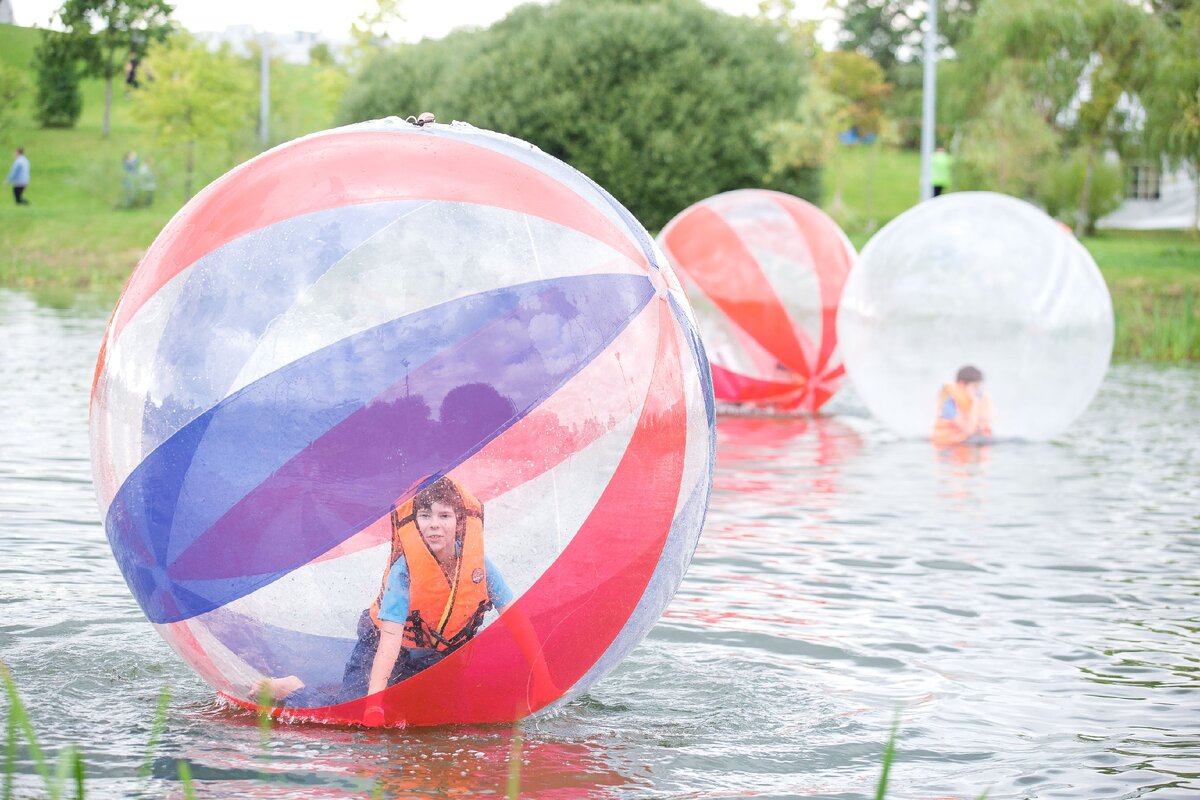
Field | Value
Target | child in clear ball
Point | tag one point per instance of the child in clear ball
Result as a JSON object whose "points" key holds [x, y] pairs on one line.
{"points": [[964, 413], [436, 590]]}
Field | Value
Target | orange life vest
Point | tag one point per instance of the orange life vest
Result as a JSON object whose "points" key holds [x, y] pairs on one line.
{"points": [[946, 432], [444, 613]]}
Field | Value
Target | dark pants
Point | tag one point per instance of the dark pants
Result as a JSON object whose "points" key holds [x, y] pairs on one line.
{"points": [[17, 192], [357, 674], [937, 190]]}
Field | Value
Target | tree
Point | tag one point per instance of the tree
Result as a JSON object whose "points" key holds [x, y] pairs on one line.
{"points": [[861, 86], [58, 102], [12, 90], [198, 97], [1172, 98], [659, 100], [860, 93], [799, 147], [1007, 145], [883, 31], [891, 31], [321, 55], [1120, 32], [120, 27], [1062, 182], [371, 27], [1079, 64], [415, 78]]}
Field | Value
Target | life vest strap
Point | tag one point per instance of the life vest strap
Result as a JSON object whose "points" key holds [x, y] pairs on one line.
{"points": [[424, 636]]}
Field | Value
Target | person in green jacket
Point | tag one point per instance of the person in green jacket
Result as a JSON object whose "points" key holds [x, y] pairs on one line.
{"points": [[940, 166]]}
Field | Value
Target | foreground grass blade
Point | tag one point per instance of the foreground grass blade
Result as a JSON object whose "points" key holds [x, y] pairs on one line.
{"points": [[70, 764], [156, 731], [10, 755], [17, 713], [78, 770], [889, 753], [514, 765], [265, 703], [185, 777]]}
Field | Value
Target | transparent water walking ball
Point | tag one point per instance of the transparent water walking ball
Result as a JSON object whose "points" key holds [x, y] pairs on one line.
{"points": [[764, 271], [980, 279], [354, 323]]}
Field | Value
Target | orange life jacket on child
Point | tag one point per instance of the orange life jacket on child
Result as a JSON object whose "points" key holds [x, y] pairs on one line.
{"points": [[444, 613], [946, 432]]}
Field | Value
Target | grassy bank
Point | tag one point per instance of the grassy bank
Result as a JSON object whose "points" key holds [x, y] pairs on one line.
{"points": [[1154, 278], [73, 237]]}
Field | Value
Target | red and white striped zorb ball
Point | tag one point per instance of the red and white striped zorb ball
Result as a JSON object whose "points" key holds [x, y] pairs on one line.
{"points": [[764, 271], [339, 324]]}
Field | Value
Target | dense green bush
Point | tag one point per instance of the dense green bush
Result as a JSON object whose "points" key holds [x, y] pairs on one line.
{"points": [[1007, 147], [1063, 185], [404, 82], [12, 90], [659, 101], [58, 102]]}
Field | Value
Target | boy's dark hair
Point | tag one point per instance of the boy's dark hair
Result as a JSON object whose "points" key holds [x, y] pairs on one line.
{"points": [[20, 151], [443, 490], [969, 375]]}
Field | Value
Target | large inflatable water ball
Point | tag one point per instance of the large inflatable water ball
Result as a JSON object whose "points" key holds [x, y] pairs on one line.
{"points": [[978, 279], [402, 425], [764, 271]]}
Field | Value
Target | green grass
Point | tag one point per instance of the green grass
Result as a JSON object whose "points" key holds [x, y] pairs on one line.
{"points": [[72, 235], [848, 180], [1154, 278]]}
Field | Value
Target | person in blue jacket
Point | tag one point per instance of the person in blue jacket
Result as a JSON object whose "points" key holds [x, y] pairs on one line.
{"points": [[18, 176]]}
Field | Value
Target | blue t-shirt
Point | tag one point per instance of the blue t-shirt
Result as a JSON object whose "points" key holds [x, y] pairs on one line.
{"points": [[19, 174], [394, 606], [949, 409]]}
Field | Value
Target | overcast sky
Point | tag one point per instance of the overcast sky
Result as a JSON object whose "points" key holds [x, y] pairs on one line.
{"points": [[423, 18]]}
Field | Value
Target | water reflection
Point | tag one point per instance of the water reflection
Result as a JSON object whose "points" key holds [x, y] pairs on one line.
{"points": [[321, 762]]}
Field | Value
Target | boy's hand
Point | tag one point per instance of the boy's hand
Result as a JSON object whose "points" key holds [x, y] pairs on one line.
{"points": [[373, 716]]}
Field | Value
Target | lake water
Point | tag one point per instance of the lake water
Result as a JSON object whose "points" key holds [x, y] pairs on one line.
{"points": [[1028, 616]]}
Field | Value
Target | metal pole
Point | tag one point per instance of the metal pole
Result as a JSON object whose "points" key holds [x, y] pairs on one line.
{"points": [[929, 101], [264, 102]]}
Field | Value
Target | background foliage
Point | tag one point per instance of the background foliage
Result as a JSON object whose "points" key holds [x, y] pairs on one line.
{"points": [[58, 70], [662, 102]]}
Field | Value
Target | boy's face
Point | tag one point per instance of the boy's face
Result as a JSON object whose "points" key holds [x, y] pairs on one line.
{"points": [[973, 388], [436, 525]]}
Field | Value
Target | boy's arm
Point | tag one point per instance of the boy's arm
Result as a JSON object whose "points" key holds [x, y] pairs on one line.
{"points": [[391, 639]]}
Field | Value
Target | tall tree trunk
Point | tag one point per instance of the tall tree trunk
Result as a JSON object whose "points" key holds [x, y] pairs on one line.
{"points": [[1196, 178], [108, 76], [836, 204], [1085, 194], [871, 159], [188, 169]]}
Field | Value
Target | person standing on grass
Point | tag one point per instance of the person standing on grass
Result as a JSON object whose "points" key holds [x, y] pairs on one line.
{"points": [[940, 167], [18, 176]]}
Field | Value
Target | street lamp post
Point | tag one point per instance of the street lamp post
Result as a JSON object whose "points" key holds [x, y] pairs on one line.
{"points": [[264, 101], [929, 101]]}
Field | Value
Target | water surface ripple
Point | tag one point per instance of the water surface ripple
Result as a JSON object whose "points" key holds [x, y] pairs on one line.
{"points": [[1027, 615]]}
